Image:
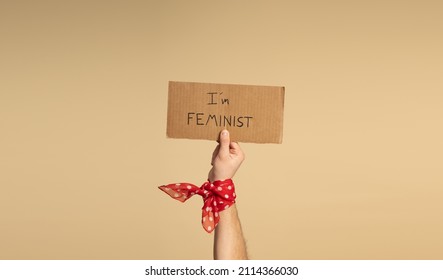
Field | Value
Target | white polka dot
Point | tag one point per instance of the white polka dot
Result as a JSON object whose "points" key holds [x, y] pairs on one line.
{"points": [[204, 219], [234, 194], [176, 195], [167, 189], [229, 187], [209, 228], [215, 203], [188, 187], [226, 207], [210, 219], [216, 214], [207, 209], [205, 192], [226, 196], [177, 184], [221, 202], [210, 208], [193, 193], [212, 185], [219, 188]]}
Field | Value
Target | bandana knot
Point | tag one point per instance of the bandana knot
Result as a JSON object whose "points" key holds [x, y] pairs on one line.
{"points": [[217, 196]]}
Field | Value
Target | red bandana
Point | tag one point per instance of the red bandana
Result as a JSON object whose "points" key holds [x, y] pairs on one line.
{"points": [[217, 196]]}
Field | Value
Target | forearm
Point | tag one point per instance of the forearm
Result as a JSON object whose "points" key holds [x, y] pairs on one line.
{"points": [[229, 243]]}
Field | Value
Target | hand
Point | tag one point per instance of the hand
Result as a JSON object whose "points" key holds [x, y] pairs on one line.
{"points": [[226, 158]]}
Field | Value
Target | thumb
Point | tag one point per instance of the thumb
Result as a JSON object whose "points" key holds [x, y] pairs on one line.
{"points": [[224, 142]]}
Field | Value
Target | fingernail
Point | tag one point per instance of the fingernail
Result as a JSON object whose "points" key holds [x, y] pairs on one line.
{"points": [[224, 132]]}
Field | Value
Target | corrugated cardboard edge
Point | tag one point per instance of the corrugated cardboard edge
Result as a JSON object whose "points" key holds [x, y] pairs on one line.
{"points": [[282, 115]]}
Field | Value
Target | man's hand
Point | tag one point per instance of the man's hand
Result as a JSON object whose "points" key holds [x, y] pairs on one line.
{"points": [[226, 158], [229, 243]]}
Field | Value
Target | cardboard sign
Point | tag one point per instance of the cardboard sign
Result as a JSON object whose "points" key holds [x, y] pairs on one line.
{"points": [[202, 110]]}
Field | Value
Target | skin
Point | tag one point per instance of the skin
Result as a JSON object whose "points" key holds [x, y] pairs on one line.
{"points": [[229, 243]]}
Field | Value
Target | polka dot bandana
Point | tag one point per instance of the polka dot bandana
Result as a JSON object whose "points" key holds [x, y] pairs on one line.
{"points": [[217, 196]]}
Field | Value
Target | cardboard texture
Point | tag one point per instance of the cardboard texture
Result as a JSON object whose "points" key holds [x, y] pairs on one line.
{"points": [[201, 110]]}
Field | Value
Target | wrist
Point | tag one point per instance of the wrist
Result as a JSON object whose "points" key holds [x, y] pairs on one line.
{"points": [[213, 179], [213, 176]]}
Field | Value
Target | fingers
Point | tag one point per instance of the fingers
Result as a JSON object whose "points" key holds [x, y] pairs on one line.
{"points": [[236, 150], [224, 143], [235, 146]]}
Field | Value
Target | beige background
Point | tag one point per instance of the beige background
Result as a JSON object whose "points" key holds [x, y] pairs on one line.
{"points": [[83, 97]]}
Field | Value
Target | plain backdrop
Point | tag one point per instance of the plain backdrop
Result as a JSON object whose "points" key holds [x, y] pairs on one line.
{"points": [[83, 147]]}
